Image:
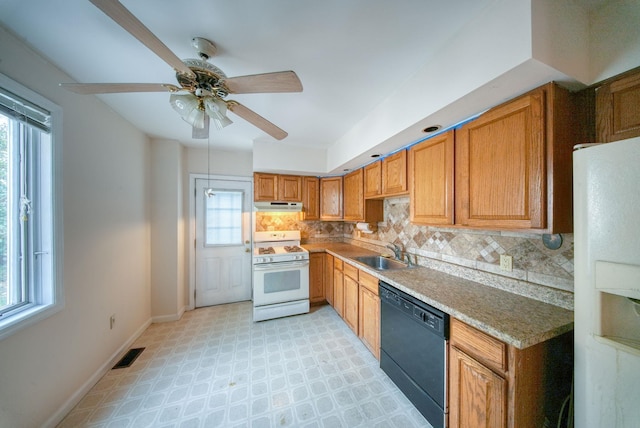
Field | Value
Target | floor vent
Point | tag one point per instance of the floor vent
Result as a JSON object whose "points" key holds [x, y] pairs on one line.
{"points": [[128, 358]]}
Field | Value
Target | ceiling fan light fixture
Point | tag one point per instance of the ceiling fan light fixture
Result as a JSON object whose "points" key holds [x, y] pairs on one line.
{"points": [[189, 108], [217, 110]]}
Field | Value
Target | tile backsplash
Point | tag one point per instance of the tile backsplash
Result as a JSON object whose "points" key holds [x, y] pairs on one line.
{"points": [[537, 272]]}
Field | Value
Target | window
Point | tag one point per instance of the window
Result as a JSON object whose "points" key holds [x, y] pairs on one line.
{"points": [[29, 285], [223, 221]]}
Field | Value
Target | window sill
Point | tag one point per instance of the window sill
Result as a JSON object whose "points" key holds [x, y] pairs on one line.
{"points": [[26, 317]]}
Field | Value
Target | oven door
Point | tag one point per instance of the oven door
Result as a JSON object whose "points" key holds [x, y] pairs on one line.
{"points": [[280, 282]]}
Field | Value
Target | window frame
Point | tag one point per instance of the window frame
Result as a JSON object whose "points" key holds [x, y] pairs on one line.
{"points": [[47, 298]]}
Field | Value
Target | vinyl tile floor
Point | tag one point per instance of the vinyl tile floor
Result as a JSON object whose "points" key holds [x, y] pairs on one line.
{"points": [[217, 368]]}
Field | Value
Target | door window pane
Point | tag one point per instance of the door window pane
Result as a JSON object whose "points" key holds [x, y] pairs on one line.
{"points": [[223, 217]]}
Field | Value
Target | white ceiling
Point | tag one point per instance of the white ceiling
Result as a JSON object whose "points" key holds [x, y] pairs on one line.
{"points": [[349, 54]]}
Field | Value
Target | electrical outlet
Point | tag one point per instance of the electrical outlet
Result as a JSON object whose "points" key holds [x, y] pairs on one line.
{"points": [[506, 262], [112, 321]]}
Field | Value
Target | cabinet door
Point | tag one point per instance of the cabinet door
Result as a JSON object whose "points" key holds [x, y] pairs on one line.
{"points": [[265, 187], [477, 396], [290, 188], [369, 322], [354, 196], [351, 292], [311, 198], [394, 173], [500, 167], [618, 109], [431, 180], [328, 278], [338, 287], [373, 180], [316, 277], [331, 198]]}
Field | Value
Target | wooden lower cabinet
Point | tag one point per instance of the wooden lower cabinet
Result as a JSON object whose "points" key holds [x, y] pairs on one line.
{"points": [[338, 286], [369, 313], [355, 299], [351, 293], [478, 395], [328, 278], [492, 384], [316, 278]]}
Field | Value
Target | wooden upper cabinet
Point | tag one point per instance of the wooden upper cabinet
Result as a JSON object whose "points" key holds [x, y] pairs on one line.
{"points": [[356, 207], [500, 166], [275, 187], [265, 187], [394, 173], [354, 195], [311, 198], [290, 188], [373, 180], [513, 164], [618, 108], [431, 180], [331, 198]]}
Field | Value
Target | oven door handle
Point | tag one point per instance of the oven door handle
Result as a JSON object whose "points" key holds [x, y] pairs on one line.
{"points": [[280, 265]]}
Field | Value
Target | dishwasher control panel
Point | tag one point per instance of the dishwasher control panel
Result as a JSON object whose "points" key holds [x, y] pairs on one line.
{"points": [[419, 311]]}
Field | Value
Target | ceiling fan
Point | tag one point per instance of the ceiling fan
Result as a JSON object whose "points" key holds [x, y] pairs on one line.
{"points": [[202, 88]]}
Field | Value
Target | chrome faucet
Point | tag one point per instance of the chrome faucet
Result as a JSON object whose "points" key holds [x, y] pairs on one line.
{"points": [[407, 257], [397, 251]]}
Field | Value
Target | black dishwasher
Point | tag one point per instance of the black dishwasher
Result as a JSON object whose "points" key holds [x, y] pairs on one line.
{"points": [[413, 351]]}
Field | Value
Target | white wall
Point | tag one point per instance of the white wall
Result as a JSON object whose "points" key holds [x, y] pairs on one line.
{"points": [[106, 253], [167, 231], [614, 39], [220, 162], [286, 159]]}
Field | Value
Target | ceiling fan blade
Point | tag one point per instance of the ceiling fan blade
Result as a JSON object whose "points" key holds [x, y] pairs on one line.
{"points": [[113, 88], [121, 15], [256, 120], [281, 81]]}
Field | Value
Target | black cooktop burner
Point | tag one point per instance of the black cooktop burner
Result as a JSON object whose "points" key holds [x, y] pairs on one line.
{"points": [[293, 249], [266, 250]]}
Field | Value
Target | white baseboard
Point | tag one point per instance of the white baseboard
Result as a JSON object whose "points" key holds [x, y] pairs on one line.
{"points": [[75, 398], [168, 318]]}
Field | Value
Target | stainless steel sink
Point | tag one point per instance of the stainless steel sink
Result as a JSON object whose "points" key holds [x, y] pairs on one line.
{"points": [[381, 263]]}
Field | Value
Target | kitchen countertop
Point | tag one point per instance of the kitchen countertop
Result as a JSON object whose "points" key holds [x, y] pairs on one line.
{"points": [[516, 320]]}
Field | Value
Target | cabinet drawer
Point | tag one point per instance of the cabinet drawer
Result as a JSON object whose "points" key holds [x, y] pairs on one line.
{"points": [[479, 345], [351, 271], [370, 282], [338, 264]]}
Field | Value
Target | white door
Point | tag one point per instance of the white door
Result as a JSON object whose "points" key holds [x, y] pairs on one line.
{"points": [[223, 241]]}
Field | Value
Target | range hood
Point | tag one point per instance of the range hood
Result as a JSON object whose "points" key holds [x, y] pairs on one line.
{"points": [[278, 206]]}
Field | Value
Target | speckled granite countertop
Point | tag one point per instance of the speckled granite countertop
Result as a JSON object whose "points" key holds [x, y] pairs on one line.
{"points": [[516, 320]]}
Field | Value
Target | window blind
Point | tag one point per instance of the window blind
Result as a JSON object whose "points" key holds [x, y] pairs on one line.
{"points": [[20, 109]]}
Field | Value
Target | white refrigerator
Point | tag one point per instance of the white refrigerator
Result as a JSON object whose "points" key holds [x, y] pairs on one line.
{"points": [[607, 284]]}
